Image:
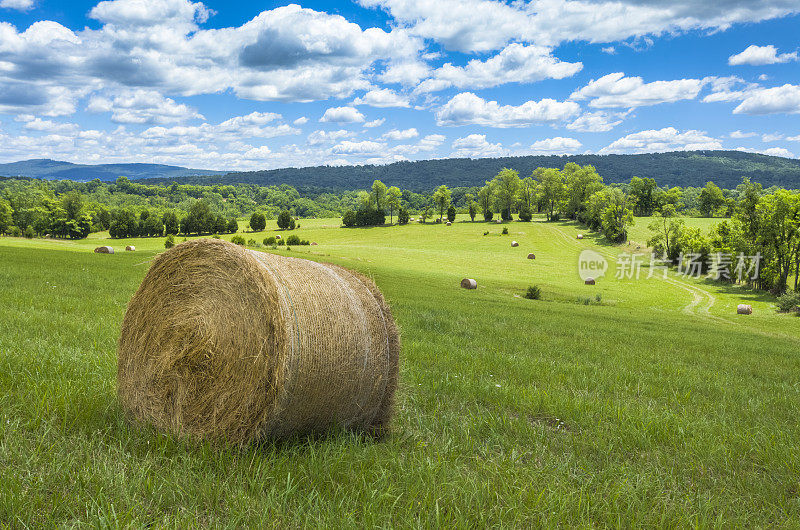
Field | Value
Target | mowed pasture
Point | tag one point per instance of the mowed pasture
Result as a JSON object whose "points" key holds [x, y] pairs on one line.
{"points": [[656, 405]]}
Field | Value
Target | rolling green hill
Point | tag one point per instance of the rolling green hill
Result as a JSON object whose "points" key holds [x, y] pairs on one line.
{"points": [[57, 170], [680, 168]]}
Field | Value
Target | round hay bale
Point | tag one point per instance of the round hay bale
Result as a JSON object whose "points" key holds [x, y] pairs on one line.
{"points": [[531, 256], [104, 250], [589, 281], [314, 243], [277, 236], [449, 223], [468, 283], [580, 236], [497, 221], [514, 244], [412, 219], [744, 309], [231, 345], [130, 248]]}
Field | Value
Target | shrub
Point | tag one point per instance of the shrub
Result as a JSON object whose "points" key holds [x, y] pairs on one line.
{"points": [[288, 247], [488, 215], [215, 236], [349, 218], [233, 225], [269, 241], [258, 222], [598, 298], [451, 213], [28, 233], [789, 302], [293, 239], [305, 242], [486, 233], [251, 242], [238, 240], [170, 241], [534, 292], [525, 214], [505, 230], [285, 220], [402, 216], [281, 242]]}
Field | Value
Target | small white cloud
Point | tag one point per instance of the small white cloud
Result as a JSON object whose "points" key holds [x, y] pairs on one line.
{"points": [[771, 137], [761, 55], [383, 97], [596, 121], [556, 146], [143, 106], [302, 120], [342, 115], [778, 100], [327, 137], [398, 135], [467, 108], [21, 5], [662, 140], [375, 123], [772, 151], [617, 91], [476, 145], [609, 50], [739, 134], [358, 148]]}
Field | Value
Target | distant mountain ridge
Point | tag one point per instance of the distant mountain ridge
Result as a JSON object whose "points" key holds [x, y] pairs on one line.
{"points": [[678, 168], [57, 170]]}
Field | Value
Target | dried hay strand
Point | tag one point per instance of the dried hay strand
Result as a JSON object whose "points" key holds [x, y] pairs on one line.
{"points": [[231, 345], [130, 248], [531, 256], [744, 309], [104, 250], [589, 281], [469, 283], [514, 244]]}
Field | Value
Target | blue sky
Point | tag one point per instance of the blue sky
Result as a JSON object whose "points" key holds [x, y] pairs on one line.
{"points": [[255, 85]]}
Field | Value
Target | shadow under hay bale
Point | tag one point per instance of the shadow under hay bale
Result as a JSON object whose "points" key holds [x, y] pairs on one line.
{"points": [[130, 248], [104, 250], [744, 309], [531, 256], [231, 345], [589, 281], [468, 283]]}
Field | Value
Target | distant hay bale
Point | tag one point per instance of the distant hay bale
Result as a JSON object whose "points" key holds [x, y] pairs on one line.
{"points": [[580, 236], [514, 244], [130, 248], [589, 281], [104, 250], [231, 345], [497, 221], [468, 283], [448, 223], [531, 256], [277, 236], [412, 219], [744, 309], [314, 243]]}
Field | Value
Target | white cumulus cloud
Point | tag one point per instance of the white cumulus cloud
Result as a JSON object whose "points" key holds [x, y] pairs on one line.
{"points": [[468, 109], [617, 91], [342, 115], [662, 140], [761, 55]]}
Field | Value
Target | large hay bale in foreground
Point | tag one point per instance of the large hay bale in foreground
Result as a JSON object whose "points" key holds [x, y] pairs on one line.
{"points": [[233, 345], [104, 250], [469, 283], [744, 309]]}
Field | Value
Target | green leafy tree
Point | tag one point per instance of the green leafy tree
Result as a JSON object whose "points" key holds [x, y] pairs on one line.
{"points": [[402, 216], [667, 228], [258, 222], [711, 198], [644, 193], [552, 186], [505, 187], [472, 208], [285, 220], [451, 213], [5, 216], [579, 184], [485, 200], [233, 225], [171, 223], [379, 192], [441, 198], [393, 200]]}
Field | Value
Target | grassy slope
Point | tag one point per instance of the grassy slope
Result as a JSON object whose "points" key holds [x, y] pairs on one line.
{"points": [[652, 408]]}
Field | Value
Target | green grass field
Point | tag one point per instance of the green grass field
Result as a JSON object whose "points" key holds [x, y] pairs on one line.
{"points": [[656, 406]]}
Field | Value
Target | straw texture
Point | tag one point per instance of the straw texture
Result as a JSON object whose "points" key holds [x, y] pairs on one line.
{"points": [[104, 250], [228, 344], [469, 283], [744, 309]]}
